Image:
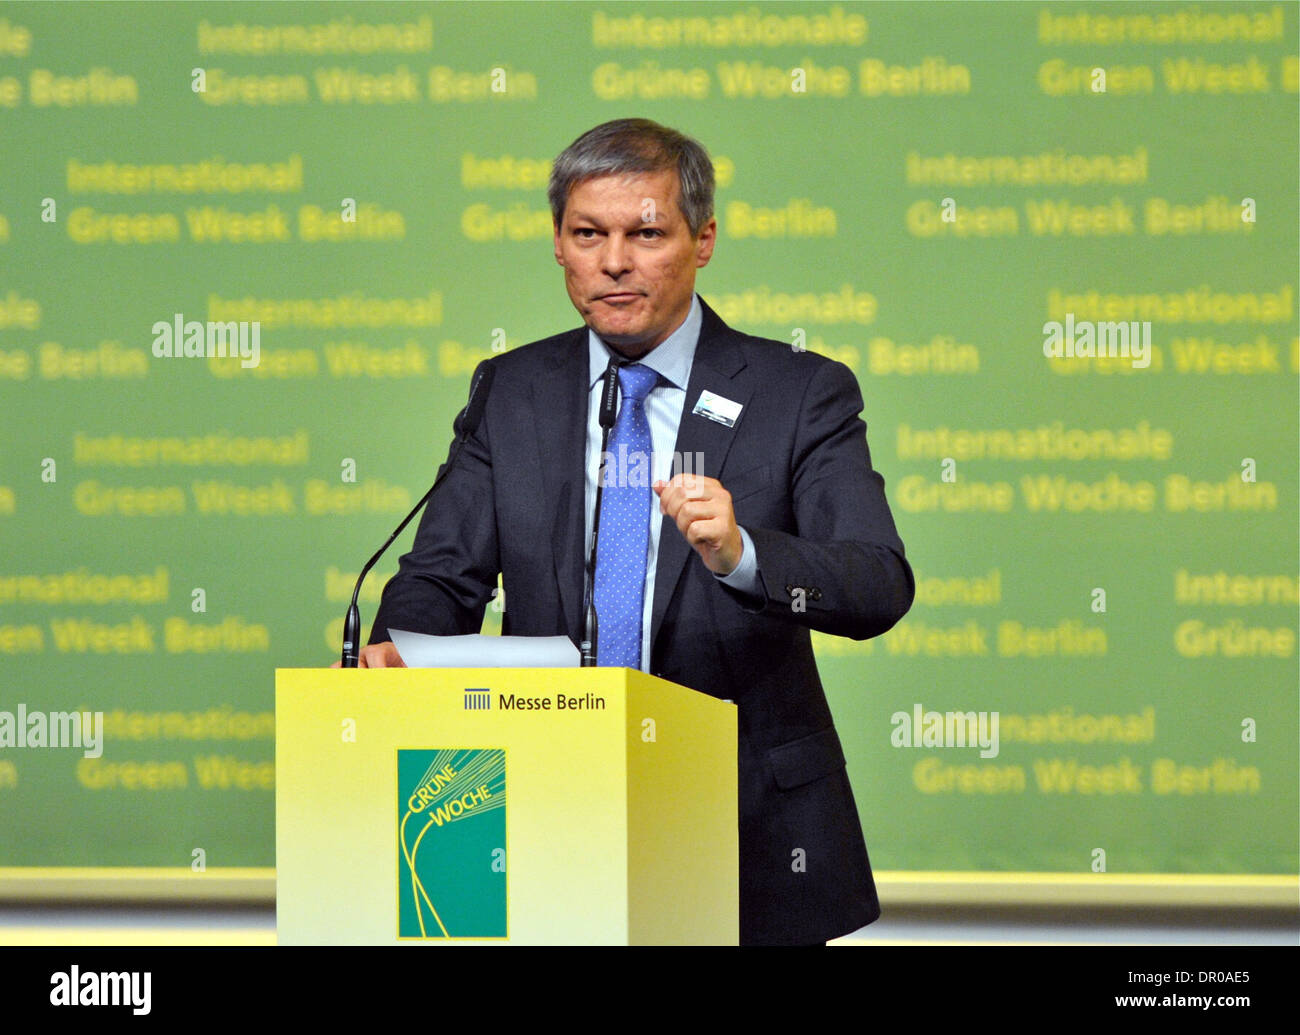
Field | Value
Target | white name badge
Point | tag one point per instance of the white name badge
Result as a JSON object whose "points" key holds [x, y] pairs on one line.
{"points": [[715, 407]]}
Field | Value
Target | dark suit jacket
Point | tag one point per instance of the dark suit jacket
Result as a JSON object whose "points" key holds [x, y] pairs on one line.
{"points": [[800, 476]]}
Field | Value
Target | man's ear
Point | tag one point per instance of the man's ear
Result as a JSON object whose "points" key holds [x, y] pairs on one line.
{"points": [[705, 242], [558, 257]]}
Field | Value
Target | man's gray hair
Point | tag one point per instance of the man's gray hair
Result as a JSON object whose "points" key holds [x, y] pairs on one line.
{"points": [[636, 146]]}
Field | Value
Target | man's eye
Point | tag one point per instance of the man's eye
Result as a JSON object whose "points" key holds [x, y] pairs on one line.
{"points": [[651, 231]]}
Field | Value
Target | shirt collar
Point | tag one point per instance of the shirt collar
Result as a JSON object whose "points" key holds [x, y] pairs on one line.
{"points": [[670, 359]]}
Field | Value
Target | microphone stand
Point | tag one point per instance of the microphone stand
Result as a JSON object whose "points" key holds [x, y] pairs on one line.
{"points": [[608, 407], [466, 423]]}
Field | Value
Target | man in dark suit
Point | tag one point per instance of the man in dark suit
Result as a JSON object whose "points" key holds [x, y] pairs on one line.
{"points": [[766, 519]]}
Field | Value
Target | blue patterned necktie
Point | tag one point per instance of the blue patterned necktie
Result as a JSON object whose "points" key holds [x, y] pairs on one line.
{"points": [[625, 524]]}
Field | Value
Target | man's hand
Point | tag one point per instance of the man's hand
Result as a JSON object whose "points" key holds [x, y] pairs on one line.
{"points": [[377, 655], [701, 508]]}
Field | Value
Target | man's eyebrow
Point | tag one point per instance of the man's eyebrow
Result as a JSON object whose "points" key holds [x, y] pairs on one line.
{"points": [[584, 217]]}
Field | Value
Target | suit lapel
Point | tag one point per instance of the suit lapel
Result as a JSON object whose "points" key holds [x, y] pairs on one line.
{"points": [[717, 367], [560, 401]]}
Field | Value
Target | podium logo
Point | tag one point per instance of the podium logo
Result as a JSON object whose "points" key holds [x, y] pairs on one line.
{"points": [[478, 700], [451, 833]]}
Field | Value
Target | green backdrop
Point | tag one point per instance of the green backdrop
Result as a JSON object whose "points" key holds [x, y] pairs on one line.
{"points": [[1106, 552]]}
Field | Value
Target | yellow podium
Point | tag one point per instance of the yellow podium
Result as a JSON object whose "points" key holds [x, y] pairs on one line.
{"points": [[520, 806]]}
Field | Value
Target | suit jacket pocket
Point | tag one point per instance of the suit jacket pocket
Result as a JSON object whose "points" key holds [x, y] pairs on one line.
{"points": [[809, 758], [746, 483]]}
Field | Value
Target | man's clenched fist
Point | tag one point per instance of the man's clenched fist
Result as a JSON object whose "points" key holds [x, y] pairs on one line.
{"points": [[701, 508]]}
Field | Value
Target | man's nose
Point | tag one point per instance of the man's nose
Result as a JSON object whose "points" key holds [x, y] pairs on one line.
{"points": [[615, 255]]}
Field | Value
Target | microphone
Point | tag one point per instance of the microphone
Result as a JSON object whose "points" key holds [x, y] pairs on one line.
{"points": [[608, 411], [609, 396], [466, 423]]}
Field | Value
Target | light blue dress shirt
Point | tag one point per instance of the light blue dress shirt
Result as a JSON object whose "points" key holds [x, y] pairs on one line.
{"points": [[671, 359]]}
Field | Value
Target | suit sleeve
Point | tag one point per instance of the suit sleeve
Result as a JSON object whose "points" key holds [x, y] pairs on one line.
{"points": [[844, 571], [443, 584]]}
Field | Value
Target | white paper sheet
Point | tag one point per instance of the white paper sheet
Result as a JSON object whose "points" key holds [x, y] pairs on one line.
{"points": [[419, 650]]}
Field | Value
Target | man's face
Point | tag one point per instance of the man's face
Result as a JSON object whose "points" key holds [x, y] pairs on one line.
{"points": [[629, 258]]}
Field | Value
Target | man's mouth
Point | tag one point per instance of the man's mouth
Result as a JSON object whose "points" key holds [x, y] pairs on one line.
{"points": [[620, 296]]}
